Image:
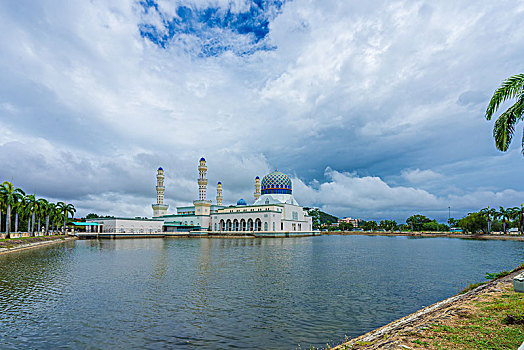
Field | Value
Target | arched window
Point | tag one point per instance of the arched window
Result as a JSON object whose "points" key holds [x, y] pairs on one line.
{"points": [[222, 225], [250, 224], [235, 225], [242, 225], [265, 226], [258, 225], [273, 226], [215, 226]]}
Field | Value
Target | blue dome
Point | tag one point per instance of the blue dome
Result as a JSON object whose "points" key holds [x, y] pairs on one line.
{"points": [[219, 183], [241, 202], [257, 178], [277, 183], [160, 169], [203, 159]]}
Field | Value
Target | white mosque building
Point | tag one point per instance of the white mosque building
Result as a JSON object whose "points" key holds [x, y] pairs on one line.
{"points": [[274, 212], [274, 209]]}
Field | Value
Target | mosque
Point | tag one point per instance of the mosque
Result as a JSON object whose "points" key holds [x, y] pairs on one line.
{"points": [[274, 212], [274, 208]]}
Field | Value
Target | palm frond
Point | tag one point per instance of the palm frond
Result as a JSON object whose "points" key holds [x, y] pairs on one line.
{"points": [[510, 88], [504, 127]]}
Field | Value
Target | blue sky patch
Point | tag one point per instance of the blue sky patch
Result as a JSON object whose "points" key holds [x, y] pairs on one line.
{"points": [[212, 30]]}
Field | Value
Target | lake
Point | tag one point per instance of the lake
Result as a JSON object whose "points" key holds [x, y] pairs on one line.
{"points": [[202, 293]]}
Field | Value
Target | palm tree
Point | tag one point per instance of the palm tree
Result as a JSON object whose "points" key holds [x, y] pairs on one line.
{"points": [[490, 213], [41, 209], [504, 128], [505, 215], [68, 209], [518, 214], [47, 207], [60, 206], [19, 207], [32, 207], [9, 194]]}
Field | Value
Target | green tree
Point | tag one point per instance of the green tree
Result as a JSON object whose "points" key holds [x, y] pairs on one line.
{"points": [[388, 225], [489, 213], [416, 222], [504, 128], [18, 207], [473, 222], [32, 207], [369, 225], [518, 213], [10, 195], [345, 226], [505, 215], [68, 209]]}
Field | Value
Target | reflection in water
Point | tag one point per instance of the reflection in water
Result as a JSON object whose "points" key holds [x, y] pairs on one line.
{"points": [[272, 293]]}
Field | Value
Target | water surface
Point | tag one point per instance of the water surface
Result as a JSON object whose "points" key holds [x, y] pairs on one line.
{"points": [[270, 293]]}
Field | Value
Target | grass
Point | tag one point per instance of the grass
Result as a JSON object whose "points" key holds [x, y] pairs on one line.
{"points": [[496, 323], [14, 242]]}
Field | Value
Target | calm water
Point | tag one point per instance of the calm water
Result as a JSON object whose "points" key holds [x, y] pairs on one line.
{"points": [[230, 293]]}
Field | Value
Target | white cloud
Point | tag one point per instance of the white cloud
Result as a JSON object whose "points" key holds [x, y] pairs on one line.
{"points": [[420, 176]]}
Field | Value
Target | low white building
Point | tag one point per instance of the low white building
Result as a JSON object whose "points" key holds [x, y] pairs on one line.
{"points": [[126, 225]]}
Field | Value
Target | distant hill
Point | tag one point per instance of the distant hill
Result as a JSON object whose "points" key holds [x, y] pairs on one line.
{"points": [[325, 218], [320, 217]]}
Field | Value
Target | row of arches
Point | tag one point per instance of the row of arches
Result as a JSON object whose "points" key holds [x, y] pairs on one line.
{"points": [[240, 225]]}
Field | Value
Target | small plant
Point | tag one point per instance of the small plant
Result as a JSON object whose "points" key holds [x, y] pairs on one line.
{"points": [[470, 287], [494, 276]]}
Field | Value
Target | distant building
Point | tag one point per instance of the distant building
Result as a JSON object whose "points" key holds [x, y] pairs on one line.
{"points": [[354, 222]]}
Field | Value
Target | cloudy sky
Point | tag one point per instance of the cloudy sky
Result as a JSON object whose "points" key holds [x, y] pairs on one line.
{"points": [[374, 108]]}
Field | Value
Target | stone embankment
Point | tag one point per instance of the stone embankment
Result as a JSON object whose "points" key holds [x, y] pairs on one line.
{"points": [[15, 245], [420, 330]]}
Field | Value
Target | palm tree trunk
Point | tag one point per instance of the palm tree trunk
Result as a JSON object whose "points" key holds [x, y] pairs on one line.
{"points": [[0, 218], [8, 221], [489, 225], [65, 220], [504, 224], [32, 223], [16, 221], [47, 224], [521, 223], [38, 227]]}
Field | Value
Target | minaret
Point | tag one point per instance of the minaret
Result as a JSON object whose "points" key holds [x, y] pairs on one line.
{"points": [[202, 180], [202, 205], [219, 193], [160, 208], [257, 188]]}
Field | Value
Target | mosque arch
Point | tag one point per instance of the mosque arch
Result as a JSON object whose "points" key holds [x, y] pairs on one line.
{"points": [[228, 225], [258, 225], [222, 225], [265, 226], [250, 225], [242, 225], [235, 225]]}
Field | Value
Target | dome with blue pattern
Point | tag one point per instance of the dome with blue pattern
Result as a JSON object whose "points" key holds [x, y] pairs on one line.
{"points": [[241, 202], [276, 183]]}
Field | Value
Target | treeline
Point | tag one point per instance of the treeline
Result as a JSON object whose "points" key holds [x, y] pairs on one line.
{"points": [[26, 213], [486, 220]]}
